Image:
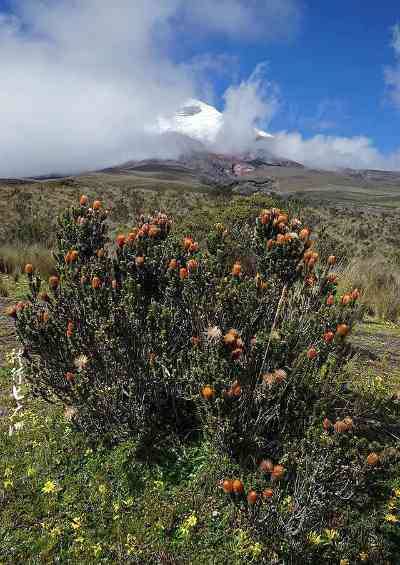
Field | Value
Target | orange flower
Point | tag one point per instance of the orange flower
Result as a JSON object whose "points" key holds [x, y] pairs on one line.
{"points": [[237, 391], [329, 337], [270, 244], [342, 330], [277, 472], [265, 218], [192, 265], [355, 295], [96, 282], [83, 200], [132, 235], [280, 239], [54, 282], [207, 392], [74, 256], [154, 232], [230, 339], [252, 497], [280, 375], [268, 493], [326, 424], [28, 268], [194, 247], [331, 260], [312, 353], [237, 486], [236, 269], [307, 255], [304, 234], [97, 205], [341, 427], [266, 466], [283, 219], [121, 240], [100, 253], [330, 301], [227, 486], [145, 229], [187, 242], [70, 329], [346, 299], [373, 459], [183, 273], [173, 265]]}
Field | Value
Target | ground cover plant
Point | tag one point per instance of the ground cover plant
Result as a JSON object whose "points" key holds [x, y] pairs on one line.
{"points": [[235, 350]]}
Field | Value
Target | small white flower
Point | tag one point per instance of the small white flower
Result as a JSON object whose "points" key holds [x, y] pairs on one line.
{"points": [[81, 361], [213, 333]]}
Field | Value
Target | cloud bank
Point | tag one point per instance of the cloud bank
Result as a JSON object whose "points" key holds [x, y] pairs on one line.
{"points": [[80, 78]]}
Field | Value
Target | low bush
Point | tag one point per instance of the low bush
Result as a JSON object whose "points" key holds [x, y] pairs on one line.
{"points": [[241, 342]]}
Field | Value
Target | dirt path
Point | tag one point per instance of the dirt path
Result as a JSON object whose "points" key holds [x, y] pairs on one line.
{"points": [[378, 342]]}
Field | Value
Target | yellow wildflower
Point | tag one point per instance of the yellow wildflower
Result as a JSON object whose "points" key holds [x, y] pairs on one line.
{"points": [[8, 483], [314, 538], [97, 549], [102, 489], [49, 487], [76, 523], [363, 556], [397, 492], [331, 534], [344, 562], [191, 521], [391, 518], [129, 502]]}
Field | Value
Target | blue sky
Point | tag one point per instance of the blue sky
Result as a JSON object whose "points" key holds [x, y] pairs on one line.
{"points": [[80, 78], [331, 72]]}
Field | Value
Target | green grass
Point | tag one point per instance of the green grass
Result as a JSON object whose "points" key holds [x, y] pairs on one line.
{"points": [[105, 507]]}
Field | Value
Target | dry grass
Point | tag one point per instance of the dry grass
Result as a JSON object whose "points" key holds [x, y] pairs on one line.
{"points": [[14, 258], [379, 281]]}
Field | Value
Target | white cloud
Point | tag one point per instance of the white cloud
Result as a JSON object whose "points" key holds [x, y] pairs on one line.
{"points": [[392, 73], [252, 19], [249, 105], [80, 78], [396, 39], [329, 152]]}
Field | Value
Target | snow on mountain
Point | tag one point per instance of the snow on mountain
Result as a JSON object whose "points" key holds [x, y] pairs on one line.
{"points": [[199, 121]]}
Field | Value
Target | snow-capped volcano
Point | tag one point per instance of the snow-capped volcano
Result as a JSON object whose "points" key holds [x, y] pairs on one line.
{"points": [[199, 121]]}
